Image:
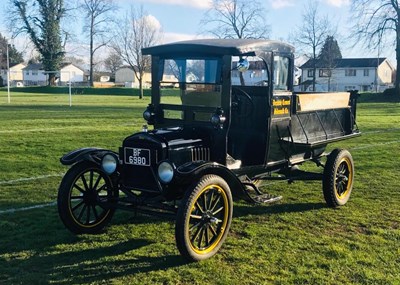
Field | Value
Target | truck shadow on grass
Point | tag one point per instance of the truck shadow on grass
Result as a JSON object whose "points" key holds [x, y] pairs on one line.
{"points": [[62, 258], [92, 265], [37, 249], [263, 209]]}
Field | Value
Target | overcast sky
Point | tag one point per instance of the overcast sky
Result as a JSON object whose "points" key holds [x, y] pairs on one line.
{"points": [[180, 21]]}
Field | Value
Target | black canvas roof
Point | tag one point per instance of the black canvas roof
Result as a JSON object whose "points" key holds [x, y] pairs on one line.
{"points": [[347, 63], [220, 47]]}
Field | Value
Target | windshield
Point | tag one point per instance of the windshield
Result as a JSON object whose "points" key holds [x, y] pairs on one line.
{"points": [[190, 82]]}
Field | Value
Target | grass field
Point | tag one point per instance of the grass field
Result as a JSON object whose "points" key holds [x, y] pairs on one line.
{"points": [[296, 241]]}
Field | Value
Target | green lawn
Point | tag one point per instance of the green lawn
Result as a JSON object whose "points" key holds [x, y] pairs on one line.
{"points": [[296, 241]]}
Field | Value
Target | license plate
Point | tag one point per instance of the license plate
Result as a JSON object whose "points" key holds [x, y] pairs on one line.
{"points": [[137, 156]]}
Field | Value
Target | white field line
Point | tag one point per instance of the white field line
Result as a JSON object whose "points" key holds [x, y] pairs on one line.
{"points": [[382, 131], [374, 145], [44, 129], [13, 210], [56, 129], [5, 182]]}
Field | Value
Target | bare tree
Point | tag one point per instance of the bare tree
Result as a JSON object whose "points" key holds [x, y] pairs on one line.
{"points": [[98, 18], [138, 30], [376, 23], [236, 19], [312, 33], [40, 19], [113, 61]]}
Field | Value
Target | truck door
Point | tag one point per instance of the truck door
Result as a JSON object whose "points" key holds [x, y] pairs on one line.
{"points": [[247, 139]]}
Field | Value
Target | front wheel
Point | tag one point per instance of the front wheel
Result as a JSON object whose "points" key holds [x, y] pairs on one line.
{"points": [[337, 182], [82, 200], [204, 218]]}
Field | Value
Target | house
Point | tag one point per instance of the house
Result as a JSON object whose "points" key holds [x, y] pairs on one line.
{"points": [[34, 74], [364, 74], [16, 74], [70, 72], [126, 76]]}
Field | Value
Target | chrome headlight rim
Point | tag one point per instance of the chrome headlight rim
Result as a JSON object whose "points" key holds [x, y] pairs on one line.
{"points": [[109, 163], [165, 171]]}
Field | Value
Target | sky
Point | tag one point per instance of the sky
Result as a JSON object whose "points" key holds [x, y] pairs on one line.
{"points": [[180, 20]]}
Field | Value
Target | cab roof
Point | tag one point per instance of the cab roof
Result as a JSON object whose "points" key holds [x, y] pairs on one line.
{"points": [[234, 47]]}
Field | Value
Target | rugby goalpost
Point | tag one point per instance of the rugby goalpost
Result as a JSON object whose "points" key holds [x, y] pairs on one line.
{"points": [[69, 82]]}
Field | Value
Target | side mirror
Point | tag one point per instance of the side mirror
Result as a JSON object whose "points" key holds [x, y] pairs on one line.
{"points": [[243, 65]]}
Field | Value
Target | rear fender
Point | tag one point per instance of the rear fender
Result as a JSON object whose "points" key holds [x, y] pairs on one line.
{"points": [[88, 154], [193, 171]]}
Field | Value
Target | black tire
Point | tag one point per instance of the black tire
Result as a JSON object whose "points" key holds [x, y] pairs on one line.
{"points": [[204, 218], [81, 196], [337, 182]]}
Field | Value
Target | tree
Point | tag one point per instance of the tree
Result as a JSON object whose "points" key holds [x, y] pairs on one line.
{"points": [[330, 51], [113, 62], [377, 22], [75, 61], [236, 19], [14, 55], [328, 57], [138, 30], [312, 33], [98, 19], [41, 19]]}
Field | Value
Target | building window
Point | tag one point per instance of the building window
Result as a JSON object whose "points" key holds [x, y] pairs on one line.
{"points": [[34, 72], [348, 88], [310, 73], [27, 72], [350, 72], [366, 72], [324, 73]]}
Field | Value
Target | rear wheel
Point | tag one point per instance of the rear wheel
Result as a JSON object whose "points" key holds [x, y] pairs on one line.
{"points": [[82, 198], [338, 178], [204, 218]]}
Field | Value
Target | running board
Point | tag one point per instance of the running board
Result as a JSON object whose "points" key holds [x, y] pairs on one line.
{"points": [[259, 197], [267, 198]]}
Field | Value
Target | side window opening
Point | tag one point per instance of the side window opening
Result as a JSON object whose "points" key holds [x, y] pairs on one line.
{"points": [[281, 73], [256, 75]]}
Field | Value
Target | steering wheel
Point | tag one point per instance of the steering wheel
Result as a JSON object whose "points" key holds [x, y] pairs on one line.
{"points": [[242, 100]]}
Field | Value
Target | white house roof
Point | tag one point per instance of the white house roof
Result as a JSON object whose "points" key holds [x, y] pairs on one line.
{"points": [[34, 66], [346, 63], [39, 66]]}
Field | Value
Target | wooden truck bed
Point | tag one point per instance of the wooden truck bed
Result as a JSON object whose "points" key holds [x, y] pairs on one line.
{"points": [[321, 118]]}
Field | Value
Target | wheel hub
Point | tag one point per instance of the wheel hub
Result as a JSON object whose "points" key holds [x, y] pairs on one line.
{"points": [[90, 197], [208, 218]]}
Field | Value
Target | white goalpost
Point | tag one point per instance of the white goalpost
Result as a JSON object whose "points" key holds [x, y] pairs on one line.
{"points": [[69, 82]]}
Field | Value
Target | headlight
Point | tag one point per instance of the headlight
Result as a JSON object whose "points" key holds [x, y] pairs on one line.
{"points": [[218, 119], [165, 172], [109, 163], [147, 115]]}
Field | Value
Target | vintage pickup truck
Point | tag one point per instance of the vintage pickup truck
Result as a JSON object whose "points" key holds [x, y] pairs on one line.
{"points": [[225, 118]]}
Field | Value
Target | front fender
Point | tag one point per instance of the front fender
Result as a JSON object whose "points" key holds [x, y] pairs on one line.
{"points": [[194, 170], [88, 153]]}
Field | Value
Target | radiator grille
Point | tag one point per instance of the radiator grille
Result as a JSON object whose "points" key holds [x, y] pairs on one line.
{"points": [[201, 153]]}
